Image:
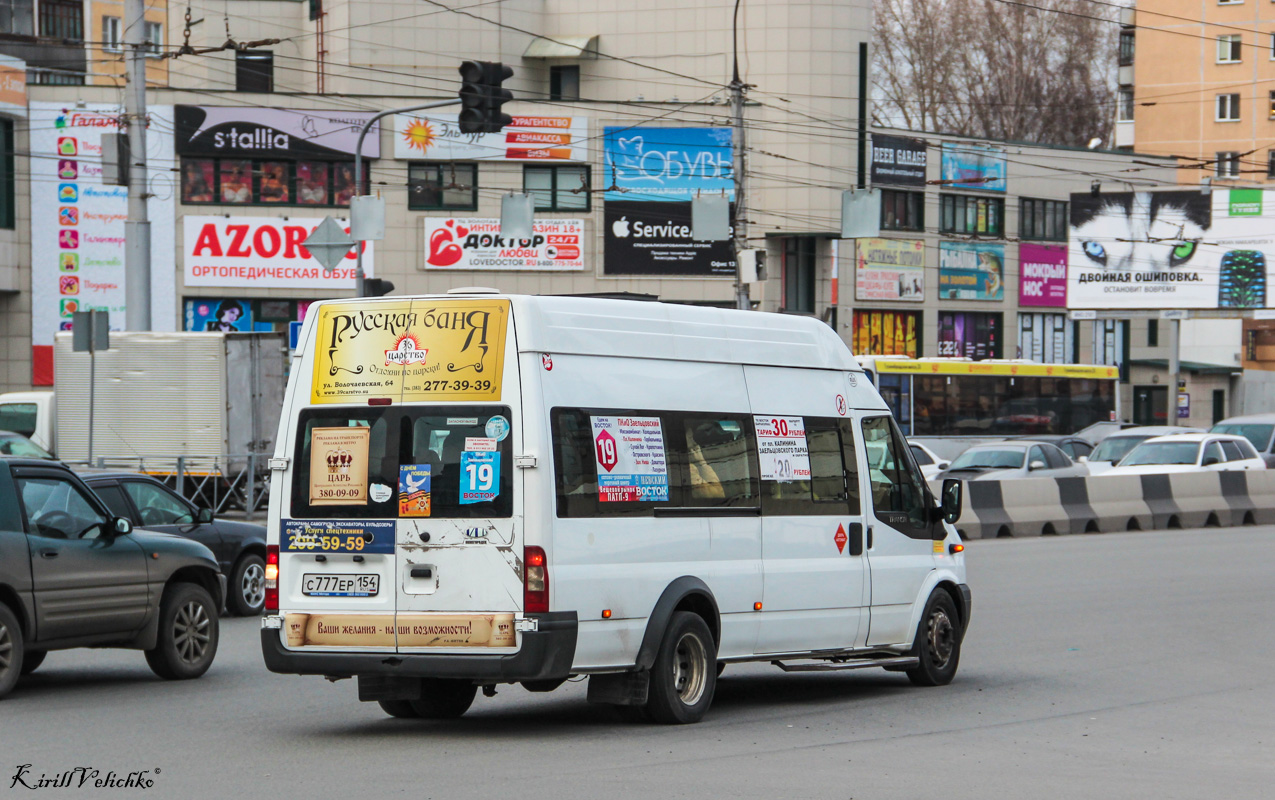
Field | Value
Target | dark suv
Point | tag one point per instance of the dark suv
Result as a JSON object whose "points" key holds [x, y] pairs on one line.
{"points": [[72, 574]]}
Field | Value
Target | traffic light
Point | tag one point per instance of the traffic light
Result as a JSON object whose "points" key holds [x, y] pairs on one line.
{"points": [[481, 96], [376, 287]]}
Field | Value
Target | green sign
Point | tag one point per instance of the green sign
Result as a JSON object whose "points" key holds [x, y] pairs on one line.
{"points": [[1245, 203]]}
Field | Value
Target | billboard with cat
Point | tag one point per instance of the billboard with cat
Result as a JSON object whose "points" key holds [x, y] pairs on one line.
{"points": [[1171, 249]]}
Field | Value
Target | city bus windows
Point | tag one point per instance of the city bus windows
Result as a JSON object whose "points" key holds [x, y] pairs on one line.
{"points": [[931, 405], [894, 390]]}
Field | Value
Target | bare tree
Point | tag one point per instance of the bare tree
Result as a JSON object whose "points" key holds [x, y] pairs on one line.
{"points": [[1041, 71]]}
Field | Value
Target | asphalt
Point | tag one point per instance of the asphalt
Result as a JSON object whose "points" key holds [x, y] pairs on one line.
{"points": [[1117, 665]]}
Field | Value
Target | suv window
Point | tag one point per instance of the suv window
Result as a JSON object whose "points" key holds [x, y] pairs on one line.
{"points": [[157, 506], [113, 496], [56, 508]]}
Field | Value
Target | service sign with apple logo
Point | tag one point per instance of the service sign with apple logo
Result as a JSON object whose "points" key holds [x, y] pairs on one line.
{"points": [[655, 239], [468, 243]]}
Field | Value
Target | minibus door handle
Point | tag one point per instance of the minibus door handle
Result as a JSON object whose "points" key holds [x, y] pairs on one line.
{"points": [[869, 537], [856, 538]]}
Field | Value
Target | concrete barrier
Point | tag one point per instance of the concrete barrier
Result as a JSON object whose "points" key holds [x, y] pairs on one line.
{"points": [[1109, 503]]}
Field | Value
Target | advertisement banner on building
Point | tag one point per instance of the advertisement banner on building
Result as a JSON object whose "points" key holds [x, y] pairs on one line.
{"points": [[1042, 275], [280, 132], [971, 271], [973, 166], [77, 223], [655, 239], [437, 137], [262, 252], [667, 164], [13, 86], [886, 333], [897, 161], [1171, 249], [889, 269], [556, 245]]}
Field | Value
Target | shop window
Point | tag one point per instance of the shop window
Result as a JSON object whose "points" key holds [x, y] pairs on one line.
{"points": [[799, 275], [452, 187], [7, 194], [969, 335], [112, 34], [559, 188], [1044, 220], [254, 71], [239, 181], [902, 211], [1045, 338], [887, 333], [968, 214]]}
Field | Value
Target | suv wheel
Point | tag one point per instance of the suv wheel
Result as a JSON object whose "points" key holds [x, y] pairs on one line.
{"points": [[248, 586], [188, 633], [11, 650]]}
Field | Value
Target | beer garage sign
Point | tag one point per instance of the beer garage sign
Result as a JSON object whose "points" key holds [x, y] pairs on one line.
{"points": [[262, 252]]}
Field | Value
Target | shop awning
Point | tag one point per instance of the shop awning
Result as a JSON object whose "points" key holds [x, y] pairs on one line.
{"points": [[1188, 366], [562, 47]]}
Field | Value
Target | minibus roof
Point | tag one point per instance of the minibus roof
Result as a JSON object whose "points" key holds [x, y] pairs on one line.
{"points": [[632, 329]]}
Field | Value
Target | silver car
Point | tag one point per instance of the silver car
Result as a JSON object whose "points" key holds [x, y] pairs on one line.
{"points": [[1021, 458]]}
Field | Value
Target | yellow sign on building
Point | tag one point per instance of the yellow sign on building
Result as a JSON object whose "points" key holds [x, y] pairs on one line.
{"points": [[410, 351]]}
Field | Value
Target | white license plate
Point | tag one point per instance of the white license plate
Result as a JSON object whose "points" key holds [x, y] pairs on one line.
{"points": [[340, 585]]}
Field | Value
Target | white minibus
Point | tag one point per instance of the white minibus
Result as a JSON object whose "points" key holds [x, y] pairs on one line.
{"points": [[477, 489]]}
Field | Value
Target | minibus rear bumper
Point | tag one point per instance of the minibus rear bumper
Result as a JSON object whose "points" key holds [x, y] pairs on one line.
{"points": [[546, 654]]}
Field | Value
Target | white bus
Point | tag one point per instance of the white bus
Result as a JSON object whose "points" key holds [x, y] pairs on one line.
{"points": [[477, 489]]}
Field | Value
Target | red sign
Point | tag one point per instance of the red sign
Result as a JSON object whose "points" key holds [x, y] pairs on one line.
{"points": [[608, 453], [840, 538]]}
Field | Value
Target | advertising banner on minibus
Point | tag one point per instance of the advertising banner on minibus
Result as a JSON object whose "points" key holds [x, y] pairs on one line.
{"points": [[782, 448], [629, 452], [416, 350]]}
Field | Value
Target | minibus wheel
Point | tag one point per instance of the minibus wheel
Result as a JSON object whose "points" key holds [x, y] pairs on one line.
{"points": [[401, 709], [937, 643], [443, 698], [684, 675]]}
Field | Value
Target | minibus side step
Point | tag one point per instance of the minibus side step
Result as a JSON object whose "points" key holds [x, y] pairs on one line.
{"points": [[900, 662]]}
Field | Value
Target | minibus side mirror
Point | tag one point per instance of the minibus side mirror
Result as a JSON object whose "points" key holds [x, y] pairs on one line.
{"points": [[953, 500]]}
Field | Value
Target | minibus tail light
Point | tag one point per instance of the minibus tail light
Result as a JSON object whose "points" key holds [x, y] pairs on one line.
{"points": [[272, 578], [535, 592]]}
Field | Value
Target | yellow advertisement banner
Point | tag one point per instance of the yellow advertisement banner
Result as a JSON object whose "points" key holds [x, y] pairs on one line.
{"points": [[923, 367], [410, 351], [338, 466], [405, 630]]}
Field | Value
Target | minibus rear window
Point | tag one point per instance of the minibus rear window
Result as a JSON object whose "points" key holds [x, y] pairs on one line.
{"points": [[453, 462]]}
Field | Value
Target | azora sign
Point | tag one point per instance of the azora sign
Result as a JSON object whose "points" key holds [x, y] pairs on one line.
{"points": [[261, 252]]}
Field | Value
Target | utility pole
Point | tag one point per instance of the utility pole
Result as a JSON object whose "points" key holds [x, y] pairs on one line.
{"points": [[137, 229], [737, 88]]}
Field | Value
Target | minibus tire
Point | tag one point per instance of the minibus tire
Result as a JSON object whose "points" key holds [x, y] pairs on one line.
{"points": [[402, 709], [937, 643], [685, 669], [444, 698]]}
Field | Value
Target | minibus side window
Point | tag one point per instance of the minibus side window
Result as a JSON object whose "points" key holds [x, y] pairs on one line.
{"points": [[896, 483], [718, 461], [655, 483], [826, 492]]}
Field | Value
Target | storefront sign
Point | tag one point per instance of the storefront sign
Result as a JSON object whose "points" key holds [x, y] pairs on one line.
{"points": [[655, 239], [77, 223], [897, 161], [262, 252], [13, 86], [1171, 249], [667, 164], [276, 132], [889, 269], [1042, 275], [437, 137], [973, 166], [971, 271], [886, 333], [416, 350], [556, 245]]}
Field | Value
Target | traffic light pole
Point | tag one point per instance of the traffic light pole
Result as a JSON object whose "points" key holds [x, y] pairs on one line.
{"points": [[360, 280], [137, 229]]}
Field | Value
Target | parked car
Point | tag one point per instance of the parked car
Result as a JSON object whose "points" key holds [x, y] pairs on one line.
{"points": [[1098, 431], [931, 463], [1116, 446], [1259, 429], [73, 574], [15, 444], [1020, 458], [1073, 446], [240, 547], [1189, 452]]}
